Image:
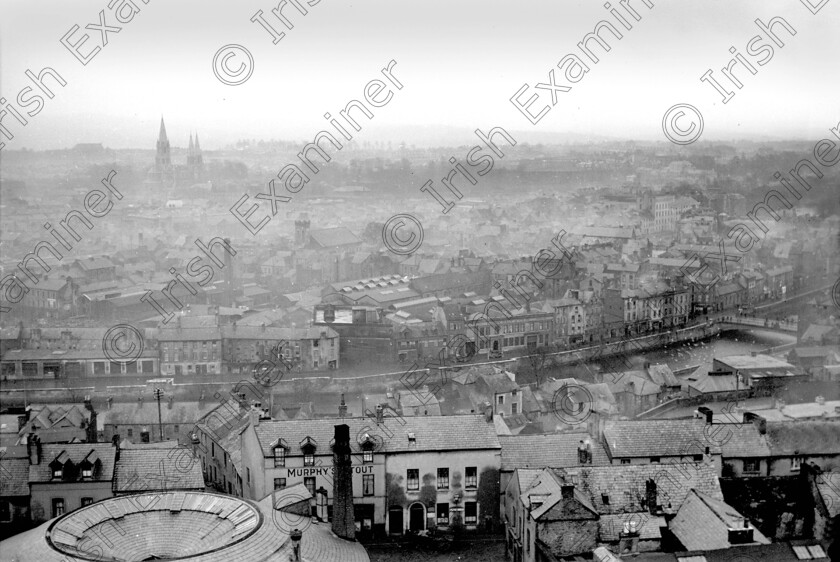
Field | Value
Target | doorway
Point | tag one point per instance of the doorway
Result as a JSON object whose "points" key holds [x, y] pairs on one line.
{"points": [[395, 521], [417, 517]]}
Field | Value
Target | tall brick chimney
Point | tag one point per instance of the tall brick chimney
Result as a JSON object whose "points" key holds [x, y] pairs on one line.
{"points": [[343, 522]]}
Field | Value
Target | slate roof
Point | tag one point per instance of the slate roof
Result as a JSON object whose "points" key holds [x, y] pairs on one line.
{"points": [[609, 526], [181, 412], [775, 552], [75, 452], [555, 450], [548, 485], [624, 484], [739, 440], [94, 263], [702, 523], [707, 383], [432, 433], [14, 477], [828, 485], [656, 438], [151, 469], [224, 419], [816, 332], [662, 374], [803, 437], [332, 237]]}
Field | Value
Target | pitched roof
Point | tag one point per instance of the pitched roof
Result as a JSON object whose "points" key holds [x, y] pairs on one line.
{"points": [[431, 433], [703, 523], [153, 469], [790, 438], [331, 237], [76, 453], [624, 485], [662, 374], [739, 440], [828, 486], [656, 438], [555, 450], [14, 476]]}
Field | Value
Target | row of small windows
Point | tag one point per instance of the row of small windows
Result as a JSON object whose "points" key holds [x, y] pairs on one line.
{"points": [[442, 482]]}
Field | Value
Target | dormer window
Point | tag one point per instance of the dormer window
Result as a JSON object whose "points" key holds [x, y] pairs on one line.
{"points": [[279, 450], [368, 445], [57, 472], [308, 447]]}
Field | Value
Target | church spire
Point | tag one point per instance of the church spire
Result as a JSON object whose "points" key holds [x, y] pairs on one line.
{"points": [[192, 148], [197, 147], [162, 135]]}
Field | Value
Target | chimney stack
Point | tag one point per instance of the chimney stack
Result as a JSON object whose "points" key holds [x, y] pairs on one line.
{"points": [[380, 414], [708, 413], [342, 408], [254, 416], [343, 522], [758, 421], [33, 449]]}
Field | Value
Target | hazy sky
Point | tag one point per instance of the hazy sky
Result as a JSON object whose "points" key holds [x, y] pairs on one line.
{"points": [[459, 60]]}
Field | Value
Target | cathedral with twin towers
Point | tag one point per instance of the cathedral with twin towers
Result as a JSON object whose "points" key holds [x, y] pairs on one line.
{"points": [[167, 174]]}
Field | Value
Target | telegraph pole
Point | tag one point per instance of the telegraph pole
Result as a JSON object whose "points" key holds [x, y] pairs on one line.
{"points": [[158, 394]]}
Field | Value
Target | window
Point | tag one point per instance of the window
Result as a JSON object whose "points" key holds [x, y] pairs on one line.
{"points": [[86, 501], [308, 454], [57, 507], [471, 477], [698, 458], [625, 461], [443, 514], [367, 455], [87, 471], [279, 456], [470, 513], [279, 483], [248, 470], [528, 541], [413, 479], [752, 465], [443, 479], [514, 408], [501, 400], [309, 482], [654, 460], [144, 436], [795, 463], [130, 432], [57, 472], [367, 484]]}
